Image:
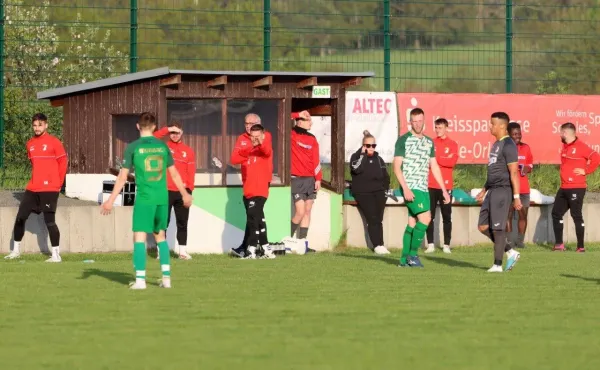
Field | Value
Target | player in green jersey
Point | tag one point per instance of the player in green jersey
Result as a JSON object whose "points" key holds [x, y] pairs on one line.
{"points": [[151, 159], [413, 157]]}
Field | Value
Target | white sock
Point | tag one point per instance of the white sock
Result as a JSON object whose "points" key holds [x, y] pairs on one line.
{"points": [[140, 280], [16, 247], [446, 246], [55, 251], [182, 249], [431, 245]]}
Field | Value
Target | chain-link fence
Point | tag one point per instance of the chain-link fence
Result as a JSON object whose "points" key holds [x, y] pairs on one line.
{"points": [[487, 46]]}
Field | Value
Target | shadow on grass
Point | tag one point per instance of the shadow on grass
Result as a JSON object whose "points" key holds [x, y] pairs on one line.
{"points": [[114, 276], [454, 263], [591, 280], [388, 260]]}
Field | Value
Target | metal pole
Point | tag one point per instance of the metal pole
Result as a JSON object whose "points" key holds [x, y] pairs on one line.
{"points": [[1, 83], [133, 57], [509, 46], [267, 35], [386, 46]]}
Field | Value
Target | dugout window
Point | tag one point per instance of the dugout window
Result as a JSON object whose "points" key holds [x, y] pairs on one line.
{"points": [[124, 131], [211, 128]]}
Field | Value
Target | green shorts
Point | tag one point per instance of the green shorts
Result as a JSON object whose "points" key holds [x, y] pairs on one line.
{"points": [[419, 205], [150, 218]]}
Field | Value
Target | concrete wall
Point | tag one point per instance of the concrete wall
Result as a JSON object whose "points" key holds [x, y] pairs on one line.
{"points": [[464, 226]]}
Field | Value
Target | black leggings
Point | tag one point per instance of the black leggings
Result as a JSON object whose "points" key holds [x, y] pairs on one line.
{"points": [[256, 225], [436, 196], [568, 199], [372, 205], [182, 215], [38, 202]]}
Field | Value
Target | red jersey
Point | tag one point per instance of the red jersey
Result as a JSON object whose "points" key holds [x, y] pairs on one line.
{"points": [[446, 155], [525, 160], [242, 149], [576, 155], [305, 158], [185, 161], [49, 163], [256, 163]]}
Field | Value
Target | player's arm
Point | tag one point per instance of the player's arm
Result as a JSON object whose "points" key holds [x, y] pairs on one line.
{"points": [[528, 165], [593, 160], [386, 174], [316, 160], [448, 160], [357, 162], [265, 149], [399, 153], [437, 173], [62, 160], [191, 171], [240, 153], [512, 162], [161, 132]]}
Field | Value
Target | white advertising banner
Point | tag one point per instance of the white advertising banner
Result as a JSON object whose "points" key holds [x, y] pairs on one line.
{"points": [[321, 128], [376, 112]]}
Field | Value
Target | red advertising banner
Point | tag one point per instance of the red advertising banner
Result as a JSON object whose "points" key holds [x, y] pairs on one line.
{"points": [[540, 117]]}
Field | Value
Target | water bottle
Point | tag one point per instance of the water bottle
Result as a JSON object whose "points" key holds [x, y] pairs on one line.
{"points": [[88, 261]]}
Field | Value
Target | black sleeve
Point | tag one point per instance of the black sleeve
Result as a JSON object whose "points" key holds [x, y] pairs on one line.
{"points": [[386, 174], [357, 163], [510, 152]]}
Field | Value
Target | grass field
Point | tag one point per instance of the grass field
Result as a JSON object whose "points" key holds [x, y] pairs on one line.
{"points": [[344, 310]]}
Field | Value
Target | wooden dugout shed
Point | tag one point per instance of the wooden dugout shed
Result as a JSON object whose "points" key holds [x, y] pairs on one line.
{"points": [[100, 116]]}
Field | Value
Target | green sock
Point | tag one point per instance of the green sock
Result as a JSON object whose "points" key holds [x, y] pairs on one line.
{"points": [[417, 238], [139, 260], [406, 242], [165, 257]]}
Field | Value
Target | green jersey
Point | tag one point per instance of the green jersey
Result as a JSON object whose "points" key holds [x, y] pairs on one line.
{"points": [[149, 157], [416, 153]]}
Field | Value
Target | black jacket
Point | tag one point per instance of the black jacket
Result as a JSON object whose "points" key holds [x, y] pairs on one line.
{"points": [[369, 174]]}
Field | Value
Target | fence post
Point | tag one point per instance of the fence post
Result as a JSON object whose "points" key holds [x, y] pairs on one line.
{"points": [[133, 27], [386, 45], [509, 46], [266, 35], [1, 83]]}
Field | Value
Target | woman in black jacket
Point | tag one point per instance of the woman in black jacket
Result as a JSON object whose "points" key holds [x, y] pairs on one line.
{"points": [[370, 182]]}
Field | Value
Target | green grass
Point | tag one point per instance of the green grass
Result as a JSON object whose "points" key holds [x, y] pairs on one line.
{"points": [[425, 70], [343, 310]]}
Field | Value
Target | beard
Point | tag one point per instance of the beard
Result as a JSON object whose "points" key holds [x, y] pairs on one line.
{"points": [[563, 140]]}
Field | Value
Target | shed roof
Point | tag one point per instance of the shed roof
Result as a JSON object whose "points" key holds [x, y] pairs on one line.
{"points": [[165, 71]]}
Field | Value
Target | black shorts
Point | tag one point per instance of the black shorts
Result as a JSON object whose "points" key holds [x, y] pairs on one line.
{"points": [[303, 188], [495, 208], [38, 202]]}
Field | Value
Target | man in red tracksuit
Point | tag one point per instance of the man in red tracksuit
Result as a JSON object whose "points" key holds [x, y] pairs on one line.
{"points": [[258, 172], [241, 151], [446, 155], [525, 167], [306, 173], [577, 161], [49, 168], [185, 163]]}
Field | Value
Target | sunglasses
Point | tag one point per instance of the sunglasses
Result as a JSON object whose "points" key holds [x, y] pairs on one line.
{"points": [[370, 146]]}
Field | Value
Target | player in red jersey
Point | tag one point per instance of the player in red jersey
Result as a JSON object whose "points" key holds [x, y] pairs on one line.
{"points": [[306, 172], [525, 167], [241, 152], [446, 155], [49, 168], [185, 163], [577, 161]]}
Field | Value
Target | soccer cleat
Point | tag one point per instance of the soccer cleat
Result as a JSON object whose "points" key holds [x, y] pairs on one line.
{"points": [[403, 265], [138, 285], [184, 256], [513, 258], [495, 268], [415, 262], [239, 251], [380, 249], [251, 253], [446, 249], [580, 250], [12, 255], [165, 283], [559, 247], [430, 248], [268, 253], [54, 259]]}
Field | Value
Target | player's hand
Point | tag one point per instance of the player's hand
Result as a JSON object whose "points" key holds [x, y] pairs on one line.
{"points": [[187, 200], [479, 197], [106, 208], [174, 130], [446, 197], [517, 204], [579, 171], [317, 185], [261, 138], [408, 195]]}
